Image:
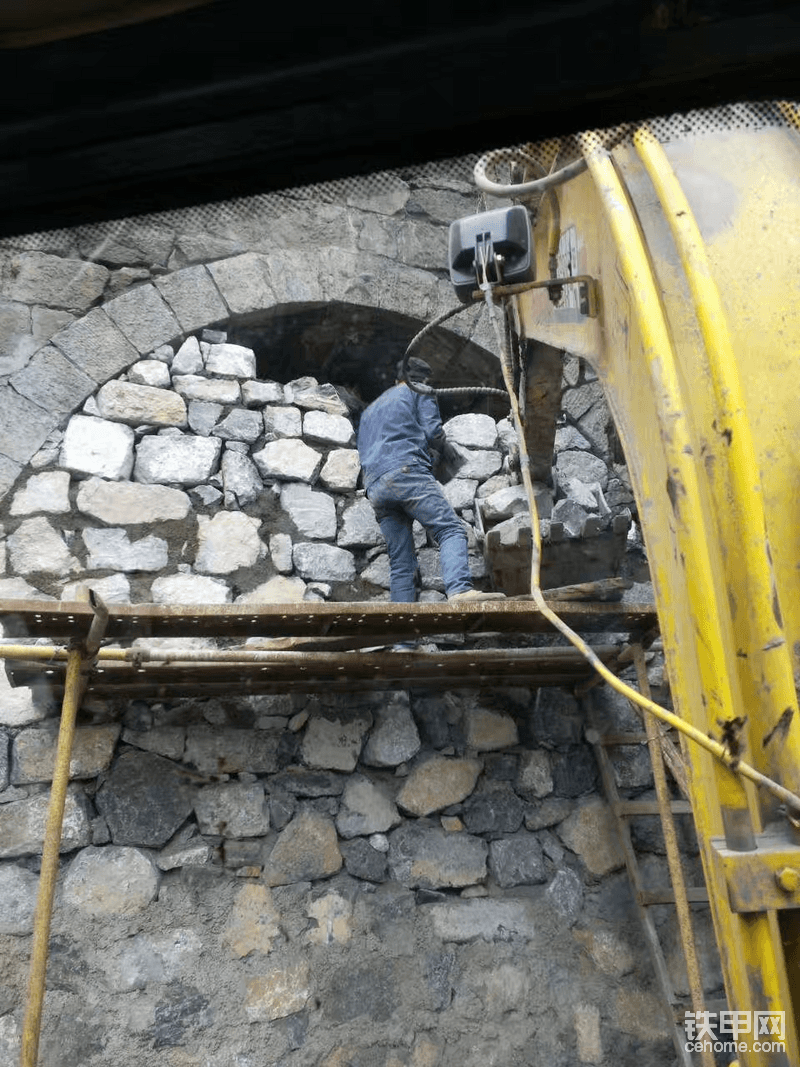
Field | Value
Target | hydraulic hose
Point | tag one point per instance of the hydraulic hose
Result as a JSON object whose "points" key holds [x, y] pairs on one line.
{"points": [[538, 185]]}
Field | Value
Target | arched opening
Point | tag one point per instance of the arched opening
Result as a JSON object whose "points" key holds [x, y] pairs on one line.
{"points": [[359, 347]]}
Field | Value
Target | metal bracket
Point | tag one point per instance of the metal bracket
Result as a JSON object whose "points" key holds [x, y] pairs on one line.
{"points": [[766, 878]]}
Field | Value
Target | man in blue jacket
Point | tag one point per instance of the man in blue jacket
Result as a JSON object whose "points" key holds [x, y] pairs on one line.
{"points": [[400, 439]]}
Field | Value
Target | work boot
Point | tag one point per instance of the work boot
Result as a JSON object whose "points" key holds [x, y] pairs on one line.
{"points": [[470, 596]]}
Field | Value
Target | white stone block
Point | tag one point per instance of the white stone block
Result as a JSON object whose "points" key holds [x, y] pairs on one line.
{"points": [[313, 513], [152, 372], [341, 469], [115, 589], [227, 542], [114, 880], [179, 460], [288, 459], [113, 549], [472, 430], [231, 361], [278, 590], [214, 390], [359, 525], [256, 393], [280, 549], [43, 492], [283, 421], [322, 426], [130, 503], [36, 547], [189, 589], [188, 359], [95, 446]]}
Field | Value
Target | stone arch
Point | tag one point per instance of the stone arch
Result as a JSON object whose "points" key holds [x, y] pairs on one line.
{"points": [[101, 344]]}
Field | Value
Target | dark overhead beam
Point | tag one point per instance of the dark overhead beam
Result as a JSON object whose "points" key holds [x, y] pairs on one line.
{"points": [[213, 103]]}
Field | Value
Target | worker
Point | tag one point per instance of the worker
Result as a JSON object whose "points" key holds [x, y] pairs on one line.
{"points": [[400, 440]]}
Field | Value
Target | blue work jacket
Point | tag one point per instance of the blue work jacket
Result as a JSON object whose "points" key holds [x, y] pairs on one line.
{"points": [[401, 428]]}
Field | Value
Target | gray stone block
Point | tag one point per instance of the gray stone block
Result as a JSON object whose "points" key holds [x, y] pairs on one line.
{"points": [[363, 861], [145, 799], [22, 824], [394, 738], [244, 282], [312, 513], [180, 1009], [229, 751], [34, 752], [489, 919], [193, 297], [143, 317], [18, 890], [96, 345], [366, 808], [5, 740], [302, 782], [62, 283], [574, 772], [241, 478], [232, 809], [323, 563], [9, 472], [111, 881], [240, 424], [517, 860], [358, 526], [333, 740], [565, 893], [369, 991], [306, 850], [53, 382], [422, 857], [496, 811], [140, 405], [23, 428]]}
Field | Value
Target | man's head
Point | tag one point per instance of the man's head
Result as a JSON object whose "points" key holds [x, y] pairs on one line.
{"points": [[417, 371]]}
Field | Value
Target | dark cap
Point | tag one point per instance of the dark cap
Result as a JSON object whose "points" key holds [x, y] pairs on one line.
{"points": [[416, 371]]}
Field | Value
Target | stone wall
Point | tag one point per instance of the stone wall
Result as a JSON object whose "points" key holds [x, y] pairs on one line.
{"points": [[400, 878]]}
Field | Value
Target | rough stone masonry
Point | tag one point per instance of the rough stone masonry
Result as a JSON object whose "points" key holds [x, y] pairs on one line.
{"points": [[398, 879]]}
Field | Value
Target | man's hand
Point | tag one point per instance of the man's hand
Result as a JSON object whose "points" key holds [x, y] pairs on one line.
{"points": [[448, 462]]}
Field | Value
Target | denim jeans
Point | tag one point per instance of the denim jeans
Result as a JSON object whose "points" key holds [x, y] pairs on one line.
{"points": [[399, 497]]}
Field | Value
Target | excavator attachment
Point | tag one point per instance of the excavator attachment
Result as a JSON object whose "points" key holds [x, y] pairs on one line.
{"points": [[687, 232]]}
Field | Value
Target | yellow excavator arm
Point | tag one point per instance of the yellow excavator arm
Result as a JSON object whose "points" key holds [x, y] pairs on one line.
{"points": [[683, 236]]}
